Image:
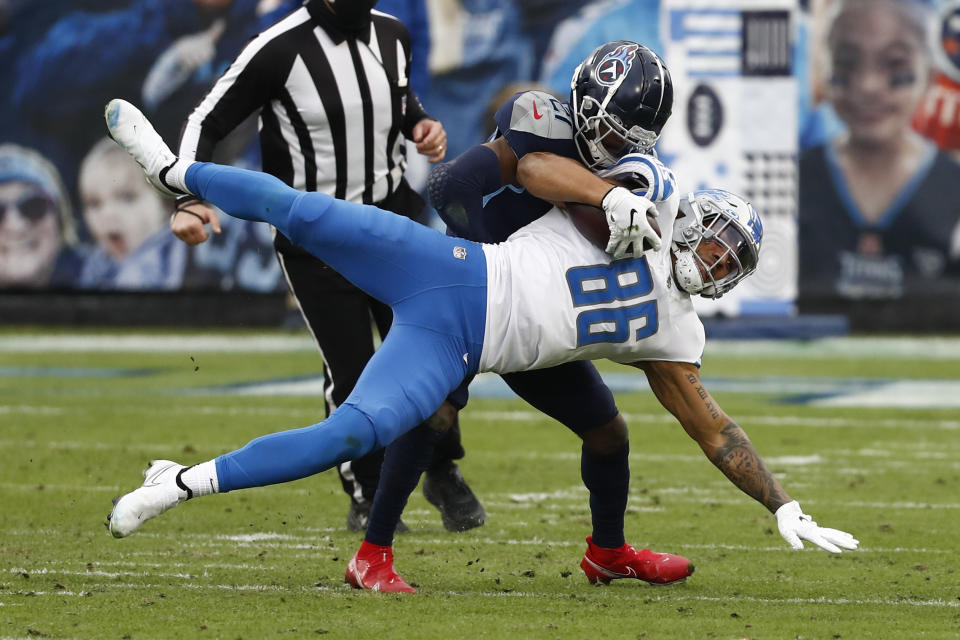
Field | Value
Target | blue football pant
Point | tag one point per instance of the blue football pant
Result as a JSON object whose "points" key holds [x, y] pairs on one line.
{"points": [[435, 284]]}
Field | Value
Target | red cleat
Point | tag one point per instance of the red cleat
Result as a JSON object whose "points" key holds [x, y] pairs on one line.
{"points": [[604, 565], [371, 567]]}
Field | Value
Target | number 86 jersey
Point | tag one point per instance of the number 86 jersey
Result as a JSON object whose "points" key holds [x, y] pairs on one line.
{"points": [[554, 297]]}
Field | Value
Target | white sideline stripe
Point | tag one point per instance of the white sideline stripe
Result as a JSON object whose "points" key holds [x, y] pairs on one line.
{"points": [[902, 394], [843, 391], [908, 348], [643, 595]]}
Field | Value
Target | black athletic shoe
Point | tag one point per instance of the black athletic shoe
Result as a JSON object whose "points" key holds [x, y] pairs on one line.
{"points": [[446, 489], [359, 516]]}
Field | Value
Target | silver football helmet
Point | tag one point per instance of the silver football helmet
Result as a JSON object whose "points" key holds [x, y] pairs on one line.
{"points": [[716, 242]]}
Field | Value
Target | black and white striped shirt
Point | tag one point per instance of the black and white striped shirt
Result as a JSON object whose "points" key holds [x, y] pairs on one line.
{"points": [[333, 110]]}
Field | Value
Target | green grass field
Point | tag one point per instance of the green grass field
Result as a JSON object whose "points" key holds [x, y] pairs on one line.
{"points": [[80, 420]]}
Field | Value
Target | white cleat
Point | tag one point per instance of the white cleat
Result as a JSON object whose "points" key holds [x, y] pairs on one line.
{"points": [[160, 492], [131, 130]]}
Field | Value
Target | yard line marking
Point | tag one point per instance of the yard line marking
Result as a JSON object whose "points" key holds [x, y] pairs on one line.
{"points": [[40, 486], [644, 595], [107, 586], [766, 420], [524, 415], [27, 409], [160, 565], [159, 343], [823, 600], [897, 448], [106, 574], [277, 540], [833, 601], [176, 411]]}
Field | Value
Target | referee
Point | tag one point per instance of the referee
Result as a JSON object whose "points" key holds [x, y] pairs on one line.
{"points": [[330, 83]]}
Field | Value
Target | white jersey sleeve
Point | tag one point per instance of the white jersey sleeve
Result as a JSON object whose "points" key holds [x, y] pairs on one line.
{"points": [[554, 297]]}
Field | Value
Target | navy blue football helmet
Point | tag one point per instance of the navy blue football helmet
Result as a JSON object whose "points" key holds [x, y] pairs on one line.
{"points": [[621, 96]]}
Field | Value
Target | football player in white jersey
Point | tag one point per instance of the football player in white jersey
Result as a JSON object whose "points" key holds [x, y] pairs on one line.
{"points": [[458, 309]]}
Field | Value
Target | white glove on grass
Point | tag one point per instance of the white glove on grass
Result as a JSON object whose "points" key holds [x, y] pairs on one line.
{"points": [[795, 526], [627, 218]]}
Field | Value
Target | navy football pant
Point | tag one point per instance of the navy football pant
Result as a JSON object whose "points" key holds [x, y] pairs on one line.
{"points": [[436, 286]]}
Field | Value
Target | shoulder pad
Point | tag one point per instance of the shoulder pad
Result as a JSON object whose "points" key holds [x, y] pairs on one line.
{"points": [[535, 112], [647, 175]]}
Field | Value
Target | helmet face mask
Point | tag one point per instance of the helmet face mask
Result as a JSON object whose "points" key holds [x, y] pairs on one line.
{"points": [[716, 242], [620, 98]]}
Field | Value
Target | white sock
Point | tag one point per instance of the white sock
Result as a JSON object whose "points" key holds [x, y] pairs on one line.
{"points": [[176, 175], [201, 479]]}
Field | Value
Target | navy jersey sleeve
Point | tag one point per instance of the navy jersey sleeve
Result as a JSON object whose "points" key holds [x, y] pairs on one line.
{"points": [[536, 121], [467, 192]]}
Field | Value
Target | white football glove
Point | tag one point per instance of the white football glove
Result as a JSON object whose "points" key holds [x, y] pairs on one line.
{"points": [[627, 218], [795, 525]]}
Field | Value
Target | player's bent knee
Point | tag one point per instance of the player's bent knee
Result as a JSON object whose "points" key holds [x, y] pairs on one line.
{"points": [[443, 418], [607, 438], [388, 422], [304, 213], [355, 431]]}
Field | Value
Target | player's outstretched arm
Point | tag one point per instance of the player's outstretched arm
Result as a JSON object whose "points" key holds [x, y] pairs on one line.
{"points": [[680, 390]]}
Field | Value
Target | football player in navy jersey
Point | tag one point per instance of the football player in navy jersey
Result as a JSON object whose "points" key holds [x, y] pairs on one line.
{"points": [[462, 307]]}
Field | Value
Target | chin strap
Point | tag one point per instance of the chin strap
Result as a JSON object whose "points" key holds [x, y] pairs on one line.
{"points": [[687, 272]]}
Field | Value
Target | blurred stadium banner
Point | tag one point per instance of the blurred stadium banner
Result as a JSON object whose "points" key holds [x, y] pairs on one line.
{"points": [[732, 67], [83, 239]]}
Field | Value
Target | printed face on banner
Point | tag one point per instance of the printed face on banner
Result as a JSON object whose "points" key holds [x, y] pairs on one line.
{"points": [[29, 235], [879, 71], [120, 209]]}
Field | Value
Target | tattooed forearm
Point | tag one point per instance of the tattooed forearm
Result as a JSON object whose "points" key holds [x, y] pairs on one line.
{"points": [[707, 400], [741, 463]]}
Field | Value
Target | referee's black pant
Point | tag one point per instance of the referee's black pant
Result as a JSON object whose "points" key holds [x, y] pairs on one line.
{"points": [[338, 315]]}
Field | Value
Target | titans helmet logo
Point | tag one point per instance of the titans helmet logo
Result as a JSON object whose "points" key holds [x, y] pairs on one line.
{"points": [[616, 64]]}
